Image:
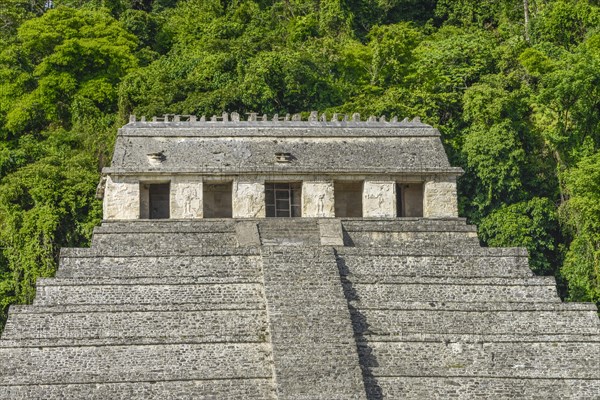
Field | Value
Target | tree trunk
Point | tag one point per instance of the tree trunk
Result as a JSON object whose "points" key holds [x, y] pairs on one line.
{"points": [[526, 12]]}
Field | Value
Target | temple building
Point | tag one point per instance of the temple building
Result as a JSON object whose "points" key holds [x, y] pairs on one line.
{"points": [[180, 168], [283, 258]]}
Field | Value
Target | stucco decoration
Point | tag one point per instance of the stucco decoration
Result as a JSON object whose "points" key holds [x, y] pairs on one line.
{"points": [[186, 198], [248, 199], [121, 198], [318, 200], [440, 198], [379, 199]]}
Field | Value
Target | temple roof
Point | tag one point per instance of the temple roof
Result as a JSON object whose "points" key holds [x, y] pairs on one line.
{"points": [[172, 145]]}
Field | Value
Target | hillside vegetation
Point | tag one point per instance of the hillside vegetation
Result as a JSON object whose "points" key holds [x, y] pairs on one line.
{"points": [[513, 85]]}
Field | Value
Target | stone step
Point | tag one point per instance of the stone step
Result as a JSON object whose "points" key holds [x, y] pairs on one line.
{"points": [[392, 295], [429, 239], [112, 364], [484, 388], [287, 223], [435, 265], [396, 232], [148, 327], [407, 224], [124, 251], [205, 389], [484, 306], [495, 359], [231, 296], [395, 323], [145, 281], [163, 240], [167, 226], [445, 251], [128, 307], [278, 232], [366, 279], [480, 338], [219, 268]]}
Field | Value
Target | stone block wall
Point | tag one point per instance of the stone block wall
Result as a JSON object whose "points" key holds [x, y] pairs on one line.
{"points": [[409, 308], [440, 198]]}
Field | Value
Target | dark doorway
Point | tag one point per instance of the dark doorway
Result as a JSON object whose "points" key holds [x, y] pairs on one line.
{"points": [[348, 199], [216, 198], [283, 199], [158, 200], [409, 200]]}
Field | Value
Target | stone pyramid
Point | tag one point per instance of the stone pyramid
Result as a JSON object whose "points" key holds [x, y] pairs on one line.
{"points": [[290, 308]]}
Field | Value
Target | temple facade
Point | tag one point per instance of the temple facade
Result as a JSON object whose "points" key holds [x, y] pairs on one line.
{"points": [[179, 167]]}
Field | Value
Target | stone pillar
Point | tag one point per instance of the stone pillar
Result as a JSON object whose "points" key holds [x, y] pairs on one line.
{"points": [[318, 200], [440, 198], [121, 198], [186, 197], [379, 199], [248, 199]]}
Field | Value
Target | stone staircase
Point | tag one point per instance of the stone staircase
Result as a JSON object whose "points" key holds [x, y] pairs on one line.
{"points": [[151, 311], [439, 320], [260, 309]]}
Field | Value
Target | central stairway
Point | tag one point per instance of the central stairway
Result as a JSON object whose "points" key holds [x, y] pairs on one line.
{"points": [[297, 309]]}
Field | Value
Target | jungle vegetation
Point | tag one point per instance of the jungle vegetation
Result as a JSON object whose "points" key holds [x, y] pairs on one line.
{"points": [[513, 86]]}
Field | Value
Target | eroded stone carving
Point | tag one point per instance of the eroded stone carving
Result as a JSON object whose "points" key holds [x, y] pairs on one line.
{"points": [[248, 199], [379, 199], [187, 196], [318, 199], [121, 199], [440, 198]]}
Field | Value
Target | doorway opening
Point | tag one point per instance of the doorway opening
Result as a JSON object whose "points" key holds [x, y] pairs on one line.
{"points": [[283, 199], [348, 199], [216, 198], [155, 200], [409, 200]]}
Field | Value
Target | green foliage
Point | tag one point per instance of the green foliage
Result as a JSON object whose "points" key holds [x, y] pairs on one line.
{"points": [[518, 107], [44, 205], [532, 224], [392, 48], [565, 22], [581, 214], [63, 57]]}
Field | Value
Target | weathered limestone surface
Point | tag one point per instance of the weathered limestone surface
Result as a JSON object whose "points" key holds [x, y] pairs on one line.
{"points": [[440, 322], [189, 154], [440, 198], [379, 199], [297, 309], [186, 197], [312, 337], [248, 199], [317, 199], [331, 232], [202, 389], [121, 198]]}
